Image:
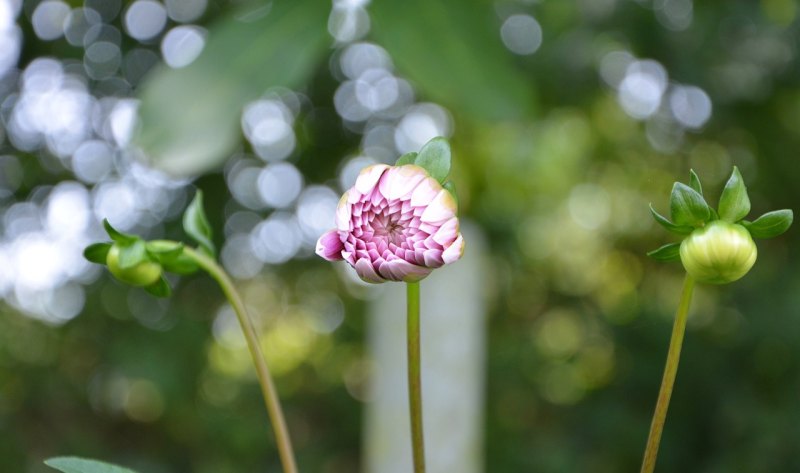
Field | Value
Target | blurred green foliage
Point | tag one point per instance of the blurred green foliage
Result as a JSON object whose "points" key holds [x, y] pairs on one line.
{"points": [[557, 175]]}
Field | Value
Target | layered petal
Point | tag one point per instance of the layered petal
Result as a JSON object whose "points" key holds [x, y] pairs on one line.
{"points": [[366, 271], [330, 246], [455, 251], [343, 213], [400, 181], [369, 177], [441, 208], [402, 270]]}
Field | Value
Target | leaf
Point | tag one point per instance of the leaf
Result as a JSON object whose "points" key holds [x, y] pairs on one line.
{"points": [[687, 206], [771, 224], [196, 224], [180, 265], [668, 252], [190, 117], [694, 182], [451, 188], [130, 256], [407, 158], [434, 157], [118, 236], [97, 252], [455, 55], [164, 250], [82, 465], [664, 222], [734, 204], [160, 288]]}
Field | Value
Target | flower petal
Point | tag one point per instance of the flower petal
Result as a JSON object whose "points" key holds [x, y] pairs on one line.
{"points": [[441, 208], [447, 233], [402, 270], [343, 214], [330, 246], [455, 251], [368, 177], [400, 181], [366, 272], [425, 192]]}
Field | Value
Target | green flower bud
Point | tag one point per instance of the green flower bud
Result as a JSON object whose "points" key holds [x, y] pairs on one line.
{"points": [[718, 253], [144, 273]]}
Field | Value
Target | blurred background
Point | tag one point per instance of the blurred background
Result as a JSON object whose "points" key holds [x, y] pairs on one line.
{"points": [[566, 117]]}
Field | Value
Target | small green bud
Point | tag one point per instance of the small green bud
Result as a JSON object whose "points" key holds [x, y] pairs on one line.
{"points": [[143, 273], [718, 253]]}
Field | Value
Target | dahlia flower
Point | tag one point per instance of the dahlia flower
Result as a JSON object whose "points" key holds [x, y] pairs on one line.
{"points": [[397, 223]]}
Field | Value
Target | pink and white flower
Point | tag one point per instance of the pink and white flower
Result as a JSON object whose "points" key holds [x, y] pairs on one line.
{"points": [[397, 223]]}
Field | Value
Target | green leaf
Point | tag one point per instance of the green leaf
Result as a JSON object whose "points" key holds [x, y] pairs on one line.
{"points": [[668, 252], [434, 157], [131, 255], [117, 236], [164, 251], [734, 204], [451, 188], [180, 265], [407, 158], [664, 222], [771, 224], [687, 206], [97, 252], [454, 54], [196, 224], [694, 182], [82, 465], [160, 288], [190, 117]]}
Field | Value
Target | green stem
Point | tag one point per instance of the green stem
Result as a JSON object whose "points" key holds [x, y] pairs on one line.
{"points": [[282, 439], [414, 379], [670, 371]]}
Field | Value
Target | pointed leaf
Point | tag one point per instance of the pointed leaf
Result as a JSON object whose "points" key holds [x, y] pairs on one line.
{"points": [[97, 252], [771, 224], [668, 252], [434, 157], [130, 256], [163, 250], [734, 204], [196, 224], [118, 236], [180, 265], [82, 465], [664, 222], [407, 158], [694, 182], [190, 117], [160, 288], [687, 206]]}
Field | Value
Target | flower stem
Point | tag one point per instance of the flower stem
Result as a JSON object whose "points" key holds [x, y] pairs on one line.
{"points": [[670, 371], [282, 439], [414, 378]]}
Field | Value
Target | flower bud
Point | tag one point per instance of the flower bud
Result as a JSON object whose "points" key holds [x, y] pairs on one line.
{"points": [[141, 274], [718, 253]]}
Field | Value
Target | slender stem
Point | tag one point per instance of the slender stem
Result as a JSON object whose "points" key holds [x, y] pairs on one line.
{"points": [[282, 439], [670, 370], [414, 378]]}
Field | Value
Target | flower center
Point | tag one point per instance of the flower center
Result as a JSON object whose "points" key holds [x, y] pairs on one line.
{"points": [[389, 228]]}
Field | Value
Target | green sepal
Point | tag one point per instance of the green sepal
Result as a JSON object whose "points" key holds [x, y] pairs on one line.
{"points": [[434, 157], [668, 252], [131, 255], [771, 224], [160, 288], [182, 264], [117, 236], [694, 182], [664, 222], [97, 252], [407, 158], [196, 225], [450, 187], [687, 206], [82, 465], [734, 204], [164, 251]]}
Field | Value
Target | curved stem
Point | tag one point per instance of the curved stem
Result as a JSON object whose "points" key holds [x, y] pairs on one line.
{"points": [[670, 371], [282, 439], [414, 378]]}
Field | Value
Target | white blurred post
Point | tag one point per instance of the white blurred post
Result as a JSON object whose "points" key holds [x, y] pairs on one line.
{"points": [[453, 302]]}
